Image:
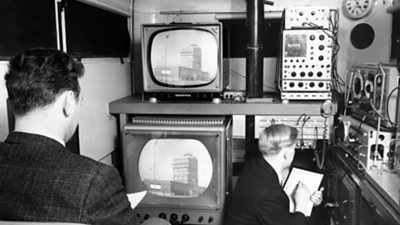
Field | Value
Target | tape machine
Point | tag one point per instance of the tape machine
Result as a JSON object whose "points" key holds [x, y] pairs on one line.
{"points": [[373, 93]]}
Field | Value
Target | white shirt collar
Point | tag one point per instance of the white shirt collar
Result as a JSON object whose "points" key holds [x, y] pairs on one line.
{"points": [[57, 139], [46, 135], [277, 171]]}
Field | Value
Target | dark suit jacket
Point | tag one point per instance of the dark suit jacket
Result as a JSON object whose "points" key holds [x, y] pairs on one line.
{"points": [[259, 199], [40, 180]]}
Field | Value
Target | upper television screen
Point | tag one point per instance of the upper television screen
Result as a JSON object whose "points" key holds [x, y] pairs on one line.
{"points": [[183, 60], [184, 57], [175, 167]]}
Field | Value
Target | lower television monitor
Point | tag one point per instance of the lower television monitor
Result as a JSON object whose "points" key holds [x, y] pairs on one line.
{"points": [[184, 164]]}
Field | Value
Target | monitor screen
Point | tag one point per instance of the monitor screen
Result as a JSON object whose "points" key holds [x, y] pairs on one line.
{"points": [[184, 57], [175, 167], [183, 60]]}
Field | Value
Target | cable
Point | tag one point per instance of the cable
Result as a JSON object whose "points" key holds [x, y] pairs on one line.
{"points": [[337, 81], [321, 161], [302, 130], [361, 122], [347, 94], [278, 73], [381, 115], [378, 127], [375, 109], [305, 119], [332, 32], [387, 105], [315, 137]]}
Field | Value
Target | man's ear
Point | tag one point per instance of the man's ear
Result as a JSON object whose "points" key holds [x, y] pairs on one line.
{"points": [[285, 153], [68, 102]]}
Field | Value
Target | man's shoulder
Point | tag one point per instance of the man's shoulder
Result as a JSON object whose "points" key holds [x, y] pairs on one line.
{"points": [[44, 154], [84, 163], [257, 178]]}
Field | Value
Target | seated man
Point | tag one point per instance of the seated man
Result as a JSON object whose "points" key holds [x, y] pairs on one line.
{"points": [[40, 180], [259, 198]]}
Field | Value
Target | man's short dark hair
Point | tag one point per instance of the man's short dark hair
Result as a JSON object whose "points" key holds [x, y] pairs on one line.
{"points": [[35, 77]]}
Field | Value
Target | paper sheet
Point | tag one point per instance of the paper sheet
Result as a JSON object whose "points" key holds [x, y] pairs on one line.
{"points": [[135, 198], [311, 179]]}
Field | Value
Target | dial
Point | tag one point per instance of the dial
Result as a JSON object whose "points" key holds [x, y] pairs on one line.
{"points": [[357, 9]]}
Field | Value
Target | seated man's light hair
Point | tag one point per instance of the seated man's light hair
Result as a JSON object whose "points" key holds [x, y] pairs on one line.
{"points": [[276, 137]]}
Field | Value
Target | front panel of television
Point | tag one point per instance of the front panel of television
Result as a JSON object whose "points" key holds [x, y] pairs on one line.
{"points": [[183, 60], [183, 163]]}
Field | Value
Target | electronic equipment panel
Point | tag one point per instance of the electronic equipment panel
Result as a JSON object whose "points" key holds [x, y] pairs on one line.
{"points": [[311, 128], [309, 17], [312, 85], [373, 93], [308, 52], [306, 95], [306, 64], [306, 55], [369, 145]]}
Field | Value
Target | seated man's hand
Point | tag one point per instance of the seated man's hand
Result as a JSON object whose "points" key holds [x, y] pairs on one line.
{"points": [[301, 196], [316, 197]]}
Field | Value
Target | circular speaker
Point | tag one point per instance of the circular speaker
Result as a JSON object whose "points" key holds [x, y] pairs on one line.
{"points": [[368, 88], [358, 85], [362, 36]]}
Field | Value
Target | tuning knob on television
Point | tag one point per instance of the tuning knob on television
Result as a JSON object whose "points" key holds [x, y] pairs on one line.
{"points": [[174, 217], [216, 100], [162, 216], [185, 218], [153, 100]]}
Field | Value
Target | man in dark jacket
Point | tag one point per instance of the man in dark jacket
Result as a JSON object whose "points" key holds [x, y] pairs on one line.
{"points": [[40, 179], [258, 198]]}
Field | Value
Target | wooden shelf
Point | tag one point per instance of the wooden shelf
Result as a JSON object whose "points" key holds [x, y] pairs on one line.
{"points": [[136, 105]]}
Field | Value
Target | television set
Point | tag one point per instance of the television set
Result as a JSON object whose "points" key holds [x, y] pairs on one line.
{"points": [[184, 164], [183, 60]]}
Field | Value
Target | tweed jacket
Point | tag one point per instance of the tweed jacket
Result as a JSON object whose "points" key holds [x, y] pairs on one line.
{"points": [[259, 199], [40, 180]]}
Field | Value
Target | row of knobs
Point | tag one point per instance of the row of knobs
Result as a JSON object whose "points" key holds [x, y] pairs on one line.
{"points": [[174, 218]]}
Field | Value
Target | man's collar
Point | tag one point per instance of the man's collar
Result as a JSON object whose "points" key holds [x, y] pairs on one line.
{"points": [[29, 137], [277, 170]]}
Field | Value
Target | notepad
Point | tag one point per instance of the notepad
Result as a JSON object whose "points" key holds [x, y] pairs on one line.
{"points": [[311, 179], [135, 198]]}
